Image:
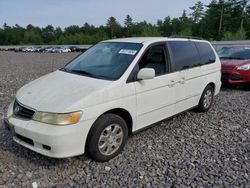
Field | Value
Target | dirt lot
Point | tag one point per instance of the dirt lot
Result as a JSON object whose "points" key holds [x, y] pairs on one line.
{"points": [[190, 150]]}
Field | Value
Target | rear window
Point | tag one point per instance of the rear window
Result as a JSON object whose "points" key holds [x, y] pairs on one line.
{"points": [[206, 53], [185, 54]]}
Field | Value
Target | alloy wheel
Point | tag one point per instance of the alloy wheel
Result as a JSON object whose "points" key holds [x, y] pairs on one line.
{"points": [[110, 139], [208, 98]]}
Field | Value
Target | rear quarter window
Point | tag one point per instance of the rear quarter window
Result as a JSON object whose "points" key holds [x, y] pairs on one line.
{"points": [[206, 53], [185, 54]]}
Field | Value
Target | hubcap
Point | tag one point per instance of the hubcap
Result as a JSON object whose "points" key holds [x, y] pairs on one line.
{"points": [[208, 98], [110, 139]]}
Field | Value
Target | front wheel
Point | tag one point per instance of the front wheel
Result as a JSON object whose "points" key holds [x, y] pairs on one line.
{"points": [[107, 137], [247, 87], [206, 99]]}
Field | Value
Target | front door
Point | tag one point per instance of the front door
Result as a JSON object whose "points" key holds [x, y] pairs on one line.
{"points": [[155, 97]]}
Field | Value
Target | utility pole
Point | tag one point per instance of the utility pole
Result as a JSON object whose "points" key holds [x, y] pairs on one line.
{"points": [[221, 17], [244, 4], [242, 20]]}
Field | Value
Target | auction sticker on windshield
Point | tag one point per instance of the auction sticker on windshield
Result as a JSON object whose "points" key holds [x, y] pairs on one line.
{"points": [[127, 52]]}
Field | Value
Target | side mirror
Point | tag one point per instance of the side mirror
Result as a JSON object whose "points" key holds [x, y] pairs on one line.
{"points": [[146, 74]]}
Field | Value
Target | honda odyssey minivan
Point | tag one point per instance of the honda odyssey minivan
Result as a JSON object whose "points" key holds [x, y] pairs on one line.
{"points": [[115, 88]]}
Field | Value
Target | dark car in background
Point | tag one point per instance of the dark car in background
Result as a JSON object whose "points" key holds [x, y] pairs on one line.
{"points": [[235, 67], [75, 49]]}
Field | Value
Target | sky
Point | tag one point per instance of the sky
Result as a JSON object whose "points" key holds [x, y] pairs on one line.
{"points": [[64, 13]]}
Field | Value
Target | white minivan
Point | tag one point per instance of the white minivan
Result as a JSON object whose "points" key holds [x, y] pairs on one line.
{"points": [[112, 90]]}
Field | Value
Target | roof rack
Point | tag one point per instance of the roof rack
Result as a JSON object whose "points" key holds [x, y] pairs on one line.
{"points": [[185, 37]]}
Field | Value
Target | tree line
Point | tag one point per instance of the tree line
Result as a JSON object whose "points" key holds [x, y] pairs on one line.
{"points": [[219, 20]]}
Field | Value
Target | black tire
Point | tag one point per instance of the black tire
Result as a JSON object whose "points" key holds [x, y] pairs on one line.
{"points": [[99, 127], [203, 106], [247, 87]]}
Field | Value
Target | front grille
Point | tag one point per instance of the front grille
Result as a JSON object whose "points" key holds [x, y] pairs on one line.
{"points": [[21, 111], [236, 77]]}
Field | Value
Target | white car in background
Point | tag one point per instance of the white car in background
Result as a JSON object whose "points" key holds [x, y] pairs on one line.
{"points": [[65, 50], [29, 49], [48, 49], [60, 50], [114, 89]]}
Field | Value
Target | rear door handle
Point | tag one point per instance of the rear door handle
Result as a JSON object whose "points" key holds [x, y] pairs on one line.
{"points": [[182, 81]]}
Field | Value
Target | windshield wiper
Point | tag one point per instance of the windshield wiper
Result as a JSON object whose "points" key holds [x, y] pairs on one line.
{"points": [[237, 58], [85, 73], [64, 69], [81, 72]]}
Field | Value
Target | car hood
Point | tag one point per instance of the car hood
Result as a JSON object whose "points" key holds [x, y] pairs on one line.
{"points": [[233, 62], [60, 92]]}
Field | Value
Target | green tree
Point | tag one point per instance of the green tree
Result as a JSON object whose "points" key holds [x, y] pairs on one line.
{"points": [[48, 34], [198, 11], [58, 32], [247, 21], [165, 27], [186, 25], [208, 26], [239, 35], [90, 29], [128, 22], [71, 30], [32, 35], [151, 32], [114, 28]]}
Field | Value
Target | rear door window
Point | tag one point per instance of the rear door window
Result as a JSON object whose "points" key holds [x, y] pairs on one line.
{"points": [[185, 54], [206, 53]]}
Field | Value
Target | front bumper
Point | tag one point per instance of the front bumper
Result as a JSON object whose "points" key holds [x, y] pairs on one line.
{"points": [[50, 140], [9, 126], [235, 77]]}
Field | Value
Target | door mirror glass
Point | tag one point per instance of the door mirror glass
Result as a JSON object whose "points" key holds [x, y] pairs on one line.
{"points": [[146, 74]]}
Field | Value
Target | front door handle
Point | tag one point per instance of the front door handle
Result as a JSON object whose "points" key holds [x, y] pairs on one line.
{"points": [[172, 83]]}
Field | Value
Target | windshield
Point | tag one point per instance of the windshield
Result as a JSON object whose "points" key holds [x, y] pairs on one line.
{"points": [[107, 60], [234, 53]]}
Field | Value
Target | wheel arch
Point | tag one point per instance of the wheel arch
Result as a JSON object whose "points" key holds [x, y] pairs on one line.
{"points": [[212, 84], [123, 114], [117, 111]]}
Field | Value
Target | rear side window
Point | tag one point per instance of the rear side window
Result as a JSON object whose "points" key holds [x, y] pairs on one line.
{"points": [[185, 54], [206, 53]]}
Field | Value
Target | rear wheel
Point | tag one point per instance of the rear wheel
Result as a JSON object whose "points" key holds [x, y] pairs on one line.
{"points": [[107, 137], [206, 99]]}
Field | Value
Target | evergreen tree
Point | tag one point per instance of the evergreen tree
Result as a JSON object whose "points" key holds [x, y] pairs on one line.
{"points": [[114, 27], [128, 22], [198, 11], [48, 34]]}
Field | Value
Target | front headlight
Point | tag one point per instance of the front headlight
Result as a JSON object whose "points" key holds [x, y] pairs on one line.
{"points": [[58, 119], [244, 67]]}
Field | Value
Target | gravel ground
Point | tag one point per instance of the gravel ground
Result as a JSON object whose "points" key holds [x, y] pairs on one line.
{"points": [[189, 150]]}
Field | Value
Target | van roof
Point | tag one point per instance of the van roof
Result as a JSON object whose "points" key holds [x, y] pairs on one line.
{"points": [[149, 39]]}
